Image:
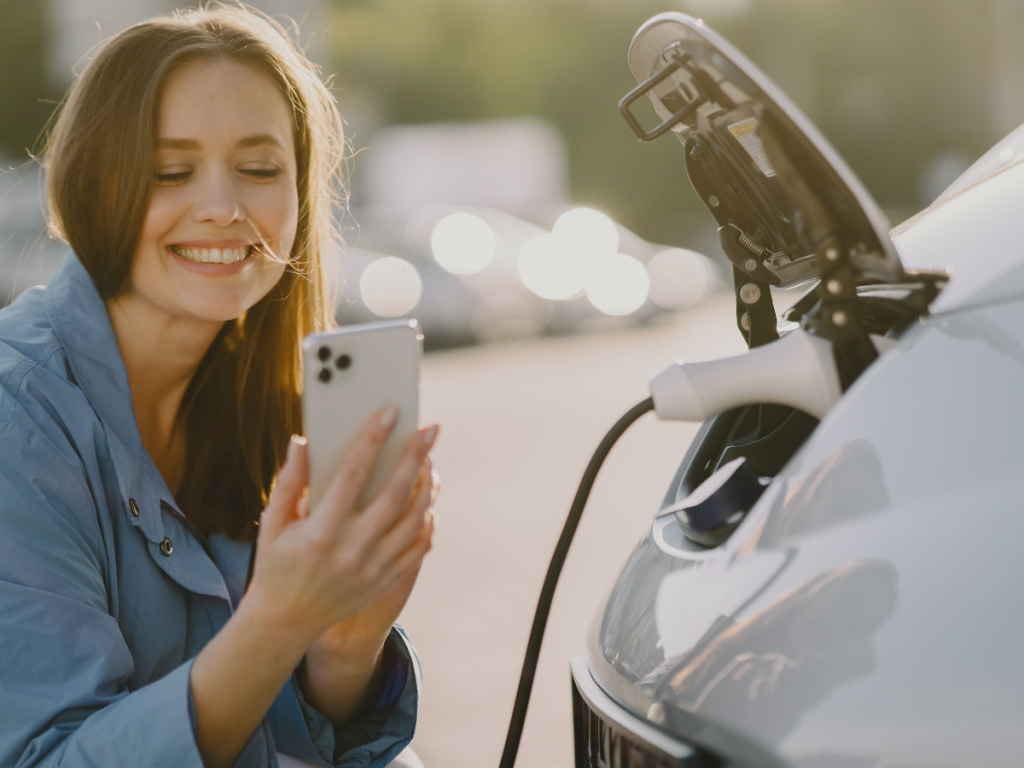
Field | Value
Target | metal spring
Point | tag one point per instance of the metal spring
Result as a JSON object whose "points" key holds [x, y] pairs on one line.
{"points": [[749, 244]]}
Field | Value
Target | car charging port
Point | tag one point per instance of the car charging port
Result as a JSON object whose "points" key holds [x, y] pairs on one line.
{"points": [[712, 512]]}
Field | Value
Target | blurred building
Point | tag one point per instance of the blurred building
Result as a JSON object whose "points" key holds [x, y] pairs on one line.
{"points": [[470, 228], [515, 165]]}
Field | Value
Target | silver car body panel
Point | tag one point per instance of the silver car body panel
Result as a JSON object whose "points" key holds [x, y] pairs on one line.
{"points": [[863, 610], [974, 234]]}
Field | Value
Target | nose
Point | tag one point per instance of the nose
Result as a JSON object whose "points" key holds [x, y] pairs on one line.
{"points": [[218, 201]]}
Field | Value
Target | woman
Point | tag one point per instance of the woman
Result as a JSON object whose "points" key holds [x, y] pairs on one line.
{"points": [[147, 396]]}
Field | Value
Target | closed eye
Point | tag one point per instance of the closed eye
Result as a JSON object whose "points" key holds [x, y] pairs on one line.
{"points": [[262, 174], [171, 179], [180, 177]]}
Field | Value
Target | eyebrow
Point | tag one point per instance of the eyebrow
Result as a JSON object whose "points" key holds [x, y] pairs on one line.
{"points": [[259, 140], [191, 145], [185, 144]]}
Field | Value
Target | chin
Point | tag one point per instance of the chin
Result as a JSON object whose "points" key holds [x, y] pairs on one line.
{"points": [[214, 306], [220, 311]]}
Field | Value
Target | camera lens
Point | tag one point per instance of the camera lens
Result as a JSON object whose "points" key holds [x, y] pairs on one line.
{"points": [[325, 375], [343, 362], [324, 353]]}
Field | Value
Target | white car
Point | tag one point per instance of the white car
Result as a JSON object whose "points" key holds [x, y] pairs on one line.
{"points": [[857, 609]]}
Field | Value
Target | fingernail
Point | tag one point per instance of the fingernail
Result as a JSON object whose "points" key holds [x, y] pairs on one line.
{"points": [[430, 436], [389, 417], [293, 445]]}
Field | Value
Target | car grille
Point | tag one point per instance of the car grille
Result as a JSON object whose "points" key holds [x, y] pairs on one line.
{"points": [[598, 745], [606, 740]]}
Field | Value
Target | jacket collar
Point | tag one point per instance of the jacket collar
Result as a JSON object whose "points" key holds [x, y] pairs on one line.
{"points": [[80, 320], [81, 323]]}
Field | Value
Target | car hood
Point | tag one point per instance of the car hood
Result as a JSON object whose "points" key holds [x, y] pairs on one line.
{"points": [[773, 183], [863, 613], [973, 233]]}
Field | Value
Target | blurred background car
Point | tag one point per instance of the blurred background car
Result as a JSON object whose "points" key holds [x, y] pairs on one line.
{"points": [[469, 227]]}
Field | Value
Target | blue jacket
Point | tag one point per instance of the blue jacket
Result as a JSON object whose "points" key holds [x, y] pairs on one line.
{"points": [[106, 593]]}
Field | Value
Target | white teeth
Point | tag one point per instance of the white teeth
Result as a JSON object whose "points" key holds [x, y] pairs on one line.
{"points": [[212, 255]]}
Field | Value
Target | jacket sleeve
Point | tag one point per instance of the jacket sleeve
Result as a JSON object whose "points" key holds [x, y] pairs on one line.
{"points": [[64, 662], [371, 741]]}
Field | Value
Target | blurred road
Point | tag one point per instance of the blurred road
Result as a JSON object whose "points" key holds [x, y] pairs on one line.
{"points": [[519, 422]]}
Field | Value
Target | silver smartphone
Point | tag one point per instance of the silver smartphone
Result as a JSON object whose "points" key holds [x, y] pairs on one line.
{"points": [[350, 374]]}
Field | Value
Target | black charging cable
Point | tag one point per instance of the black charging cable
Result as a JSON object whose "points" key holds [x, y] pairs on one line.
{"points": [[547, 592]]}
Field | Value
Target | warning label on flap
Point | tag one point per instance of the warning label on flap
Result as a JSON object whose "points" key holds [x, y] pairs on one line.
{"points": [[745, 132]]}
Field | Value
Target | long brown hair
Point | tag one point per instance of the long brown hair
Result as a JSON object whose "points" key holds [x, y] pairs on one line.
{"points": [[244, 401]]}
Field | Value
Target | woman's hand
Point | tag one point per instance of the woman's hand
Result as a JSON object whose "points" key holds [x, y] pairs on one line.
{"points": [[315, 570], [337, 676], [357, 635]]}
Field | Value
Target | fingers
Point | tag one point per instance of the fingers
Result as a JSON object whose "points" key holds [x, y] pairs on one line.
{"points": [[289, 487], [435, 478], [393, 499], [427, 477], [412, 557], [409, 527], [355, 467]]}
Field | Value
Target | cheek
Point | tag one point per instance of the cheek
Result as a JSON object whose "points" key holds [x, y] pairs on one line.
{"points": [[163, 213], [275, 214], [273, 272]]}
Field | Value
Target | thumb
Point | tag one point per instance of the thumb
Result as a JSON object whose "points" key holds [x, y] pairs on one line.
{"points": [[289, 486]]}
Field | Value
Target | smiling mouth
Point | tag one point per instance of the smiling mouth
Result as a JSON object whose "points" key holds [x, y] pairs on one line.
{"points": [[213, 255]]}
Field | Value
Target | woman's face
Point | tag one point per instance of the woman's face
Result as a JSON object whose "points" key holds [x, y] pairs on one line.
{"points": [[224, 195]]}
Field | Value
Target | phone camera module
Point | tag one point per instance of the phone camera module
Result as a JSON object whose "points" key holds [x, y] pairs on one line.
{"points": [[325, 375], [324, 353], [343, 362]]}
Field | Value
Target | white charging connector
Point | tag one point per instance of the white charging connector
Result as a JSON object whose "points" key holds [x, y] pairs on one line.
{"points": [[798, 370]]}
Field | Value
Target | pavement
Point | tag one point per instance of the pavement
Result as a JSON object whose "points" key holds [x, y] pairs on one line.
{"points": [[519, 422]]}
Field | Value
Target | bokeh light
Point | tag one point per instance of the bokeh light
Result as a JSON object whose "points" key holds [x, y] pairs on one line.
{"points": [[618, 284], [587, 230], [390, 287], [463, 243], [558, 266], [551, 270], [679, 278]]}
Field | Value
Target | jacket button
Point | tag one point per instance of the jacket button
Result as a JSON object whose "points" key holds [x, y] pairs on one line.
{"points": [[133, 507], [166, 547]]}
